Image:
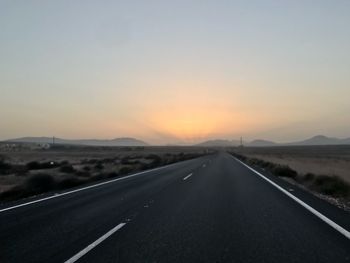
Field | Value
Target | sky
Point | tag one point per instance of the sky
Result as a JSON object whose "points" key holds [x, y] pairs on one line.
{"points": [[175, 71]]}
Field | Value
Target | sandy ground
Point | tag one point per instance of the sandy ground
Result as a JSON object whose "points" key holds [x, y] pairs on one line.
{"points": [[320, 160]]}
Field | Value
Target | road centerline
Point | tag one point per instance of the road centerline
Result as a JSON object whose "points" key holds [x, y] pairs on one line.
{"points": [[94, 244]]}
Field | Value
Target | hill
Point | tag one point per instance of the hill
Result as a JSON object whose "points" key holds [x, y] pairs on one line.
{"points": [[220, 143], [322, 140], [316, 140], [261, 143]]}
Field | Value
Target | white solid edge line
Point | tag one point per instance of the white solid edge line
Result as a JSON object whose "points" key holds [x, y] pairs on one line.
{"points": [[312, 210], [85, 188], [188, 176], [94, 244]]}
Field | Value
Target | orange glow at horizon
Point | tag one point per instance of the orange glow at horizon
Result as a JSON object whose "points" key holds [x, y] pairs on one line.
{"points": [[189, 125]]}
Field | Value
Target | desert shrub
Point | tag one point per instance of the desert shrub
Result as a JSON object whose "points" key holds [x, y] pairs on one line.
{"points": [[86, 168], [125, 170], [260, 163], [12, 194], [99, 166], [308, 177], [91, 161], [39, 183], [266, 165], [239, 156], [4, 167], [144, 166], [38, 166], [69, 182], [33, 165], [97, 177], [331, 185], [108, 160], [7, 168], [169, 160], [135, 162], [67, 169], [328, 185], [156, 161], [137, 156], [82, 173], [112, 174], [276, 169], [284, 171], [128, 160], [102, 176], [251, 161], [20, 170], [151, 156]]}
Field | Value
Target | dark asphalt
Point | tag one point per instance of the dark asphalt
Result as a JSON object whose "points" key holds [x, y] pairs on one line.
{"points": [[222, 213]]}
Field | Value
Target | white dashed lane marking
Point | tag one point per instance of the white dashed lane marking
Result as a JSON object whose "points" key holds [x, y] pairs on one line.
{"points": [[188, 176]]}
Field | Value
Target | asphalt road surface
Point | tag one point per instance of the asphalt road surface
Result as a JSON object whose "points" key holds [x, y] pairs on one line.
{"points": [[209, 209]]}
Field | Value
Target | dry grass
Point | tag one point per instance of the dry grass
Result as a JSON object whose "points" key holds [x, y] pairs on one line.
{"points": [[322, 170], [322, 160]]}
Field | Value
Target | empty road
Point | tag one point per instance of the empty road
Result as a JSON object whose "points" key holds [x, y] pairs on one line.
{"points": [[209, 209]]}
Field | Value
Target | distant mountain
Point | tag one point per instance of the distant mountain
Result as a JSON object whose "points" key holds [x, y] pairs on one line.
{"points": [[322, 140], [261, 143], [92, 142], [220, 143], [316, 140]]}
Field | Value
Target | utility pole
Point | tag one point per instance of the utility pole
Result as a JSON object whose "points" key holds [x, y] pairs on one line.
{"points": [[53, 140], [241, 142]]}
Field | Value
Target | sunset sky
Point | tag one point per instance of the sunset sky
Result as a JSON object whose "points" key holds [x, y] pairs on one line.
{"points": [[175, 71]]}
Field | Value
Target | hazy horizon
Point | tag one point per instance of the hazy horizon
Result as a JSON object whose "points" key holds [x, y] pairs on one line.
{"points": [[175, 72]]}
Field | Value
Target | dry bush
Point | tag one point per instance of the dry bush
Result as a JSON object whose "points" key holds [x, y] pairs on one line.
{"points": [[5, 168], [284, 171], [99, 166], [39, 166], [324, 184], [330, 185], [125, 170], [70, 182], [67, 169]]}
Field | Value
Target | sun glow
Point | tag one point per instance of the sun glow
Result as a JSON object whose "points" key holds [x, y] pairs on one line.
{"points": [[191, 126]]}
